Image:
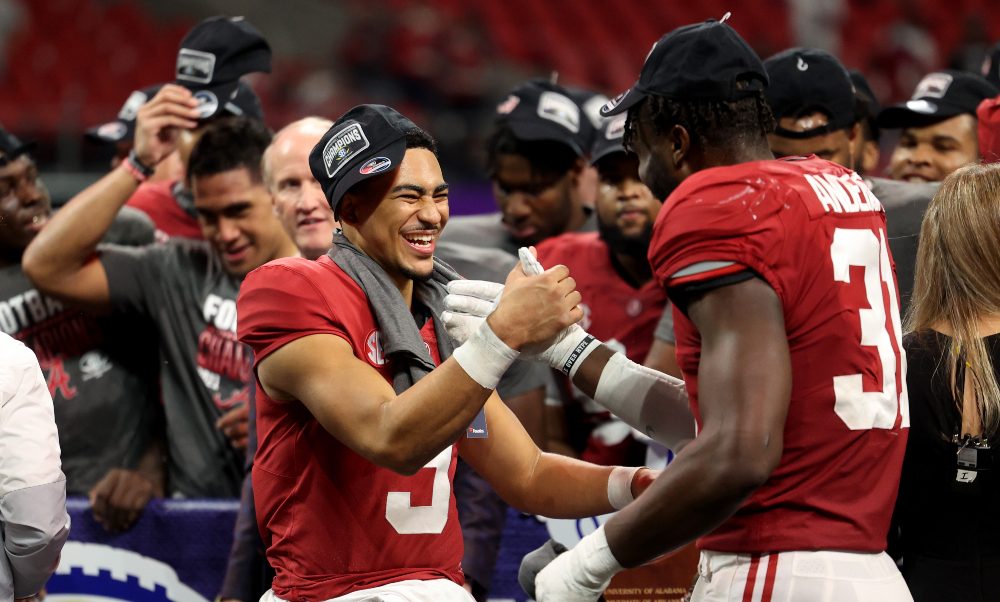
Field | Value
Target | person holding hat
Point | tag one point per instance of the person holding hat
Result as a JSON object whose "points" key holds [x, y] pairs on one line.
{"points": [[535, 160], [100, 380], [363, 403], [186, 288], [212, 58], [938, 126], [119, 134], [788, 336]]}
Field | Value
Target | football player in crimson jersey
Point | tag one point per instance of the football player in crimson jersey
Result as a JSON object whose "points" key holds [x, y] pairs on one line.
{"points": [[361, 414], [788, 335], [621, 301]]}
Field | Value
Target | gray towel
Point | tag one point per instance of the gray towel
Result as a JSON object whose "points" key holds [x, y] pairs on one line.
{"points": [[400, 334]]}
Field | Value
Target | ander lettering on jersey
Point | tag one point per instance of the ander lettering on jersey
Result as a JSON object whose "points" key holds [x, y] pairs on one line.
{"points": [[846, 193]]}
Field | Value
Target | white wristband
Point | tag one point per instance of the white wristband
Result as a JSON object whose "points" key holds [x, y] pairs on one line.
{"points": [[484, 357], [591, 562], [620, 486]]}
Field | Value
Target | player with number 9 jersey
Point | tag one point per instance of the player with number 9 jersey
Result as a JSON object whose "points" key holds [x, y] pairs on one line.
{"points": [[815, 233], [345, 534]]}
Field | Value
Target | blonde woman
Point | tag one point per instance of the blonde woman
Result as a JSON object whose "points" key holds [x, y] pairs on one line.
{"points": [[947, 511]]}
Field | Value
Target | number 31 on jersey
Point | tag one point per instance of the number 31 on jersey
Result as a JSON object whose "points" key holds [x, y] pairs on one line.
{"points": [[857, 408]]}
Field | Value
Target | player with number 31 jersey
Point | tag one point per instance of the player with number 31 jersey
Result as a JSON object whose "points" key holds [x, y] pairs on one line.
{"points": [[815, 233]]}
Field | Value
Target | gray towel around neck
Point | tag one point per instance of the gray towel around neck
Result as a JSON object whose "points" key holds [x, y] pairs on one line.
{"points": [[399, 332]]}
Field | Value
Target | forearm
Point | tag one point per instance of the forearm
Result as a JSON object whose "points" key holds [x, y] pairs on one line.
{"points": [[150, 466], [703, 487], [562, 487], [69, 240], [652, 402]]}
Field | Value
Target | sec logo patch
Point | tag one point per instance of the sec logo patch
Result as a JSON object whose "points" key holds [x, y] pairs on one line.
{"points": [[373, 349]]}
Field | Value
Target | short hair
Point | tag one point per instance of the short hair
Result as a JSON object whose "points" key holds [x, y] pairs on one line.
{"points": [[227, 144], [711, 123], [546, 157], [418, 138]]}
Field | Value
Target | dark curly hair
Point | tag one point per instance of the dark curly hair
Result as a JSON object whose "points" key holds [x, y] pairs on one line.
{"points": [[711, 123]]}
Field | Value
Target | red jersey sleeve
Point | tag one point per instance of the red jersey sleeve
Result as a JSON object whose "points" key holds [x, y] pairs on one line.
{"points": [[712, 228], [278, 304]]}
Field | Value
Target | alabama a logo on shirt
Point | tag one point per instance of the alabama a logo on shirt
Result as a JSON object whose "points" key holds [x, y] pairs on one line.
{"points": [[373, 349]]}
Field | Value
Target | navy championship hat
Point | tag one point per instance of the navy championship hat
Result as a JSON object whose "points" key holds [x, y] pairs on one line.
{"points": [[212, 58], [123, 127], [806, 80], [702, 61], [540, 110], [608, 140], [11, 147], [939, 96], [366, 141]]}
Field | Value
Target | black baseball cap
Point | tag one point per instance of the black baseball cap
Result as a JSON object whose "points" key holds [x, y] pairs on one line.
{"points": [[991, 65], [608, 140], [123, 127], [701, 61], [805, 80], [590, 103], [11, 147], [214, 55], [366, 141], [539, 110], [939, 96]]}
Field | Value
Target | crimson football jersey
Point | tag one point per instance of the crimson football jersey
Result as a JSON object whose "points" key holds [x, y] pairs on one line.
{"points": [[335, 522], [816, 234], [156, 199], [614, 311]]}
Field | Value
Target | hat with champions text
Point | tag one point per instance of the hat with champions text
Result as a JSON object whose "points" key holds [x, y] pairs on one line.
{"points": [[366, 141]]}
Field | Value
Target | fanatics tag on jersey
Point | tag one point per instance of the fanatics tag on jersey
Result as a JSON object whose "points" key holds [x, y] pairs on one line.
{"points": [[477, 430]]}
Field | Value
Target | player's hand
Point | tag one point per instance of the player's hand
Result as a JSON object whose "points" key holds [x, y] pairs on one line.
{"points": [[159, 122], [466, 306], [533, 563], [118, 499], [533, 309], [554, 583], [235, 424]]}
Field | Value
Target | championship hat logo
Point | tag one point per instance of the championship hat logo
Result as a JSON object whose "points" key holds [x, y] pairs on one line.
{"points": [[375, 166], [373, 348], [560, 109], [195, 66], [342, 147]]}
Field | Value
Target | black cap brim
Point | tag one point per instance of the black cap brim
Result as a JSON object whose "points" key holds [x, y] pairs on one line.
{"points": [[623, 102], [536, 130], [918, 113], [212, 100]]}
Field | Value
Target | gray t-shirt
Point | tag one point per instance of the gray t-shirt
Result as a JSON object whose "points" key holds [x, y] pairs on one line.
{"points": [[493, 265], [205, 371], [101, 374], [905, 204], [665, 327], [487, 232]]}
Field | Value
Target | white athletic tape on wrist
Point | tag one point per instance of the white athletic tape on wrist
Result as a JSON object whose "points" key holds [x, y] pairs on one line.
{"points": [[484, 357], [652, 402], [620, 486], [591, 562]]}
